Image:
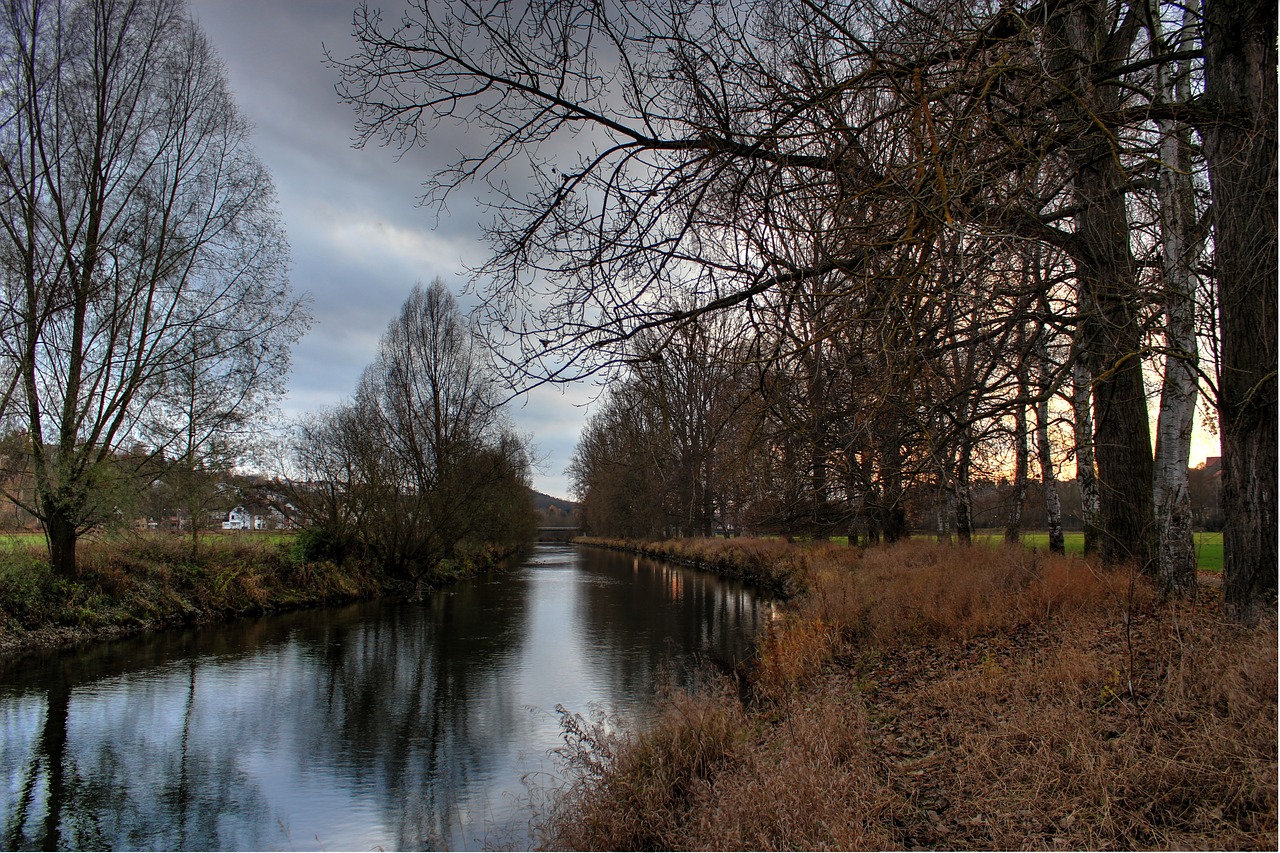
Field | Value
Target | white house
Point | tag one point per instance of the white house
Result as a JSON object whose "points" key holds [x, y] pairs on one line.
{"points": [[241, 519], [238, 519]]}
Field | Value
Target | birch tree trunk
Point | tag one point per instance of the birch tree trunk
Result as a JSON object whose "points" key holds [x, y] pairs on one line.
{"points": [[1086, 473], [1052, 503], [1176, 558], [1045, 389]]}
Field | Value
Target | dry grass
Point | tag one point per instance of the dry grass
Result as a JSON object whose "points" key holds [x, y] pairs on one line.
{"points": [[809, 783], [773, 565], [926, 591], [637, 791], [1178, 752], [946, 697]]}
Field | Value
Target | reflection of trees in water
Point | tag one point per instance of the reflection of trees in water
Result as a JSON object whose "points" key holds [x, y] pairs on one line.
{"points": [[104, 774], [178, 756], [652, 608], [43, 774], [234, 737], [423, 700]]}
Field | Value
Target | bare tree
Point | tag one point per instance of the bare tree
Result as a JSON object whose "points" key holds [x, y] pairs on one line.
{"points": [[421, 461], [134, 216], [323, 478], [700, 157], [617, 466], [212, 407], [664, 452]]}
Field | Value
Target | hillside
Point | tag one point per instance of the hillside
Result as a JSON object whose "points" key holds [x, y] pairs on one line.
{"points": [[556, 512]]}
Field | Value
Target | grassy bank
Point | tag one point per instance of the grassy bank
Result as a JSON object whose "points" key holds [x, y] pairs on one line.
{"points": [[148, 582], [771, 565], [926, 696]]}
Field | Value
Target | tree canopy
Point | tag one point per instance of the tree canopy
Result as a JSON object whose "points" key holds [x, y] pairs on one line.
{"points": [[870, 170]]}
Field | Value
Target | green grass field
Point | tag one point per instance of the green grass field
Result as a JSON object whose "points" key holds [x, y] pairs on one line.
{"points": [[21, 540], [1208, 546], [36, 540]]}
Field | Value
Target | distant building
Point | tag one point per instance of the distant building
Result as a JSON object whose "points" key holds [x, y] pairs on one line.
{"points": [[238, 519], [241, 519]]}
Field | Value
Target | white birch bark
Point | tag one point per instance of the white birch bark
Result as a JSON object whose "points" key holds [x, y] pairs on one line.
{"points": [[1052, 503], [1044, 449], [1086, 472], [1180, 249]]}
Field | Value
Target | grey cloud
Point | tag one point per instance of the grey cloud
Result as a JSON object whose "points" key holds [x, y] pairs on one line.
{"points": [[360, 241]]}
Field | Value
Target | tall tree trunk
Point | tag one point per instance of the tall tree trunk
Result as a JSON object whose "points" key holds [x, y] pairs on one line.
{"points": [[1086, 474], [1240, 147], [893, 515], [945, 513], [1122, 434], [60, 531], [964, 495], [817, 440], [1052, 504], [1046, 387], [1013, 524], [1084, 46], [708, 497], [1179, 392]]}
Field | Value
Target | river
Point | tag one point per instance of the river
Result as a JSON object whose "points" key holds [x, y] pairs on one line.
{"points": [[393, 725]]}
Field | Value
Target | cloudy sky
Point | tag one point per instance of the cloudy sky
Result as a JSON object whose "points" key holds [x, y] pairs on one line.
{"points": [[359, 240]]}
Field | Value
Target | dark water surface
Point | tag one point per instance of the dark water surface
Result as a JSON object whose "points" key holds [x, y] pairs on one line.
{"points": [[386, 724]]}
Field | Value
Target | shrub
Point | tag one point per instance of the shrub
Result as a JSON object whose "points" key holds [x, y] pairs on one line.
{"points": [[635, 791], [29, 590]]}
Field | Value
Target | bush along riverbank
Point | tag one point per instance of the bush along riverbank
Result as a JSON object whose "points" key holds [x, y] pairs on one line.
{"points": [[772, 566], [932, 696], [144, 583]]}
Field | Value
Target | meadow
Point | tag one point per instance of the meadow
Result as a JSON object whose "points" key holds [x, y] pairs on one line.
{"points": [[1208, 546]]}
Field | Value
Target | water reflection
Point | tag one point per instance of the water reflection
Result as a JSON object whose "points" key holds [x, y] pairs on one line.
{"points": [[384, 724]]}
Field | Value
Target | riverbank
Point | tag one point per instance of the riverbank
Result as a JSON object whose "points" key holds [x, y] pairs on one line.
{"points": [[773, 566], [931, 696], [148, 583]]}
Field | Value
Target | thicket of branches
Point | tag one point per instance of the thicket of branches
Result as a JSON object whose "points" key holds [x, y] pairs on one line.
{"points": [[420, 465], [925, 229]]}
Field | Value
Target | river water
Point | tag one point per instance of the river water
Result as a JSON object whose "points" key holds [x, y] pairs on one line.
{"points": [[390, 725]]}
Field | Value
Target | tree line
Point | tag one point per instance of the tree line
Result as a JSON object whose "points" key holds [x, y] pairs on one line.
{"points": [[899, 235]]}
